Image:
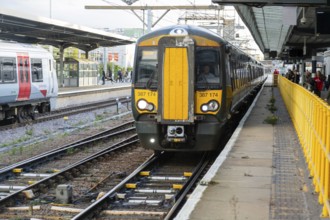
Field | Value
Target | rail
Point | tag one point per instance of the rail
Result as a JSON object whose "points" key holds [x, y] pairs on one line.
{"points": [[311, 118]]}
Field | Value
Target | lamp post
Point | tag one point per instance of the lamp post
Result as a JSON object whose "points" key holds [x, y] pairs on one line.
{"points": [[50, 9], [113, 66]]}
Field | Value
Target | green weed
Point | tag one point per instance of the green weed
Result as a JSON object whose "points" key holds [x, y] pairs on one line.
{"points": [[29, 132], [272, 119]]}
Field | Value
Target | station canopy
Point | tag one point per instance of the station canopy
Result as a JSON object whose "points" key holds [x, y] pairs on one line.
{"points": [[286, 29], [31, 29]]}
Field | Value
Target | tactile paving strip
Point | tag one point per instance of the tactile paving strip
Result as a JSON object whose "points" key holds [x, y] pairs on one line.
{"points": [[292, 196]]}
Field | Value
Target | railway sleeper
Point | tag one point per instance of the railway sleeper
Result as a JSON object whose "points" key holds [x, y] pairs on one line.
{"points": [[168, 178], [169, 195], [36, 175], [11, 188], [149, 202], [134, 186], [133, 213]]}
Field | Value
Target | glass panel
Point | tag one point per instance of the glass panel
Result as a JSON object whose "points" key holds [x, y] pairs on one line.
{"points": [[36, 68], [147, 64], [8, 70], [207, 74], [26, 69]]}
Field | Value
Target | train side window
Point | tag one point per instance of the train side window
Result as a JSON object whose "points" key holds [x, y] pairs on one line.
{"points": [[36, 68], [233, 73], [147, 68], [8, 70]]}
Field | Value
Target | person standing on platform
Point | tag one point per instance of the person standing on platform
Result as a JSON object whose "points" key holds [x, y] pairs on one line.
{"points": [[327, 99], [318, 84], [327, 87], [307, 80], [120, 76], [296, 76], [110, 76], [103, 77]]}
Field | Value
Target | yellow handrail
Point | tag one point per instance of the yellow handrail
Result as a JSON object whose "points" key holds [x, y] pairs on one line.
{"points": [[311, 118]]}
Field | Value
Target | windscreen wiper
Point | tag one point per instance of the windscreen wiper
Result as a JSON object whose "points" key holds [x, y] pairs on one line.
{"points": [[150, 80]]}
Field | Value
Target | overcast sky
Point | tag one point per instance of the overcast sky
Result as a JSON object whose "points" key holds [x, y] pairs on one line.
{"points": [[73, 11]]}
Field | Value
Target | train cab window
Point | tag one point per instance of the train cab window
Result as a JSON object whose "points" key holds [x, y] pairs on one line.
{"points": [[147, 68], [7, 70], [36, 68], [207, 69]]}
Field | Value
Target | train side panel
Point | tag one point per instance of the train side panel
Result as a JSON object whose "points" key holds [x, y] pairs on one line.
{"points": [[27, 81]]}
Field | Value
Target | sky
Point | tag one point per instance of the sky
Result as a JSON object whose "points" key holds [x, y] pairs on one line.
{"points": [[73, 11]]}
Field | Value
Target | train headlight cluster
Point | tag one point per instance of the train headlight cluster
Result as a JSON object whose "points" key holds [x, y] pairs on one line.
{"points": [[144, 105], [212, 106]]}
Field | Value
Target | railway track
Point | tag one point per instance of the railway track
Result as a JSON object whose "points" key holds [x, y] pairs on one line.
{"points": [[103, 189], [43, 165], [155, 190], [86, 178], [66, 112]]}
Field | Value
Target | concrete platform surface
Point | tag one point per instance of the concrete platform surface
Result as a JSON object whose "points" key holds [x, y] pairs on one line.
{"points": [[261, 173], [73, 96]]}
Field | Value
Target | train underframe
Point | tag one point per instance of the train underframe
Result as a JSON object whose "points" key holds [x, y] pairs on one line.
{"points": [[24, 111], [195, 137]]}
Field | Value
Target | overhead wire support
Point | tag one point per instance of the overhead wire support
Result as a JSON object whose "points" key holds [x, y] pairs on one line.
{"points": [[153, 7]]}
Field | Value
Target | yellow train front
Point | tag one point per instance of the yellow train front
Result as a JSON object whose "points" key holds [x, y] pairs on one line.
{"points": [[177, 108]]}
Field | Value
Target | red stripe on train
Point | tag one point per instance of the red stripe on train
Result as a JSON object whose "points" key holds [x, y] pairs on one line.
{"points": [[44, 92]]}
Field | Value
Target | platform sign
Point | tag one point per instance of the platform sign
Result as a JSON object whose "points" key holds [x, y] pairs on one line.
{"points": [[112, 57], [274, 2]]}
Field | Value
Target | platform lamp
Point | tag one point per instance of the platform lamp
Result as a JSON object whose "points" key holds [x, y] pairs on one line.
{"points": [[129, 2]]}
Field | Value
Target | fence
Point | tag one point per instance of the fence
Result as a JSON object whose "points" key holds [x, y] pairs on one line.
{"points": [[311, 118]]}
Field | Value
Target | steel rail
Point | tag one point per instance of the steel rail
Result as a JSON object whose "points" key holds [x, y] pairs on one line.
{"points": [[69, 111], [50, 180], [93, 209], [80, 109], [189, 185], [97, 207], [47, 156]]}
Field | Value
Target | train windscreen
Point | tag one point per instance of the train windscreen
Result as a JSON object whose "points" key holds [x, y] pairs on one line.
{"points": [[207, 69], [147, 68]]}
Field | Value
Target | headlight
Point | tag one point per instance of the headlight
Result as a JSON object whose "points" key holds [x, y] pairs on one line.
{"points": [[210, 106], [144, 105]]}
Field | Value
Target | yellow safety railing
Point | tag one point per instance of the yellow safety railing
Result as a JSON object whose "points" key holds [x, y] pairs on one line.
{"points": [[311, 118]]}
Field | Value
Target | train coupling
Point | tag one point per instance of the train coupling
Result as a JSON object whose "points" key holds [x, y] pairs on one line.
{"points": [[176, 134]]}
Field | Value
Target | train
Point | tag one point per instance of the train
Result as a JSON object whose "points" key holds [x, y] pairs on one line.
{"points": [[28, 81], [176, 104]]}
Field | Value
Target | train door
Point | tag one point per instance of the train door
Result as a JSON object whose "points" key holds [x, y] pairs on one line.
{"points": [[176, 83], [24, 79]]}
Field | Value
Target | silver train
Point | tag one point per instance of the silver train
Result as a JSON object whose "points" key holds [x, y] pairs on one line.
{"points": [[28, 82]]}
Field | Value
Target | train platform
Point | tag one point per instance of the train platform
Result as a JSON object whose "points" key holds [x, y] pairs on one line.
{"points": [[72, 96], [99, 87], [260, 174]]}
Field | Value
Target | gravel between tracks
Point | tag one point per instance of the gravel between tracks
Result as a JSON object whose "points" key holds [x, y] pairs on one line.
{"points": [[23, 142]]}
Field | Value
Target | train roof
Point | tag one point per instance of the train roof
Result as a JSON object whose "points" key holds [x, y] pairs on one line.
{"points": [[195, 30], [20, 47], [190, 29]]}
